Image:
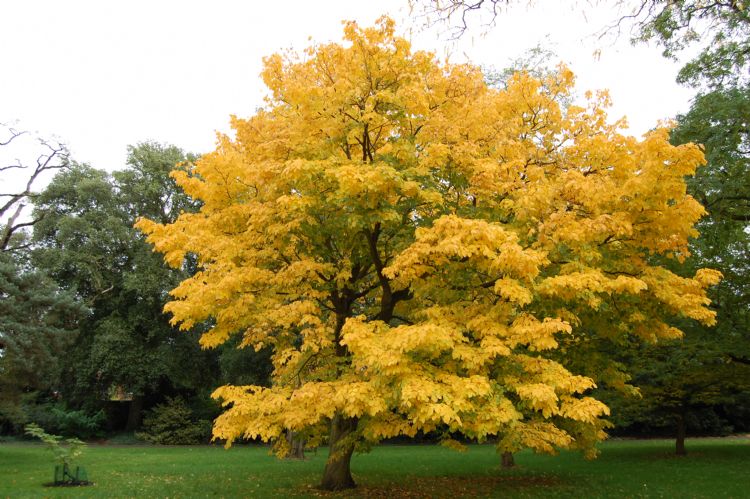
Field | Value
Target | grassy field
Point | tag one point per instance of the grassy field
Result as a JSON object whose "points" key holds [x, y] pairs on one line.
{"points": [[714, 468]]}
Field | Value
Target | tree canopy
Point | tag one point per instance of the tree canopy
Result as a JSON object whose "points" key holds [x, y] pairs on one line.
{"points": [[85, 240], [423, 252], [38, 322]]}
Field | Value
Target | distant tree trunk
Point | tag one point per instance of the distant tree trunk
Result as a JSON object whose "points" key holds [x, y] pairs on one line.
{"points": [[337, 474], [135, 414], [296, 445], [507, 460], [680, 441]]}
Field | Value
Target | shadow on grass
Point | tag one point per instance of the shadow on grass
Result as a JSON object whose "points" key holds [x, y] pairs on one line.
{"points": [[446, 486], [478, 486]]}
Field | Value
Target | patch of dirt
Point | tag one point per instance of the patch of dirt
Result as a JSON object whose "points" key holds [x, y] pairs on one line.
{"points": [[81, 483]]}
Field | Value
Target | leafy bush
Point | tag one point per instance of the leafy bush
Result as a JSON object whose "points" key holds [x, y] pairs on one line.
{"points": [[173, 423], [59, 419]]}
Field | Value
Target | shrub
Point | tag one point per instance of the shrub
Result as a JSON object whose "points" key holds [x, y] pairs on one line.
{"points": [[59, 419], [173, 423]]}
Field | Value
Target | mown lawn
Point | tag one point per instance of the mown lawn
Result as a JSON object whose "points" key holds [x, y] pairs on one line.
{"points": [[714, 468]]}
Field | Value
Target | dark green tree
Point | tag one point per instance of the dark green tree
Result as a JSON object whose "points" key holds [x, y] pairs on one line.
{"points": [[38, 322], [86, 241], [703, 382], [711, 371]]}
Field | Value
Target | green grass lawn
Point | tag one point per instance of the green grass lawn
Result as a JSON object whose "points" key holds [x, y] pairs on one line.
{"points": [[714, 468]]}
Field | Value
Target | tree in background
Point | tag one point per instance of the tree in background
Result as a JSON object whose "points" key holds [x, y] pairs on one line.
{"points": [[418, 248], [721, 27], [716, 377], [38, 322], [707, 379], [37, 319], [86, 242], [720, 120]]}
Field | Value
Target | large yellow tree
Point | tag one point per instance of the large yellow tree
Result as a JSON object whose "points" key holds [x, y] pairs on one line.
{"points": [[423, 252]]}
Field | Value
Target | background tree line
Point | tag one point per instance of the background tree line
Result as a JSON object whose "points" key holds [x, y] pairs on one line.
{"points": [[85, 345], [86, 349]]}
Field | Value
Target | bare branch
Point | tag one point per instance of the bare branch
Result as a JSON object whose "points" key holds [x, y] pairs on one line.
{"points": [[54, 156], [18, 165], [11, 227], [14, 134], [460, 11]]}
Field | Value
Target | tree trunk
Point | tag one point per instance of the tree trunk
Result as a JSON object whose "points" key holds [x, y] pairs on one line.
{"points": [[296, 445], [337, 474], [507, 460], [680, 441], [135, 414]]}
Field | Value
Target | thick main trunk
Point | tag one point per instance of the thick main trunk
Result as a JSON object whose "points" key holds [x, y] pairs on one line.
{"points": [[337, 474], [296, 445], [135, 414], [507, 460], [680, 440]]}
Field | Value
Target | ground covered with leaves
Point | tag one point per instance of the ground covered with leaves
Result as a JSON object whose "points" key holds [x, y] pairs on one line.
{"points": [[714, 468]]}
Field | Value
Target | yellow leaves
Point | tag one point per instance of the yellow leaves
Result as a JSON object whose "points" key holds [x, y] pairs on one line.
{"points": [[584, 286], [256, 412], [551, 373], [513, 291], [488, 246], [359, 398], [371, 186], [172, 243], [538, 335], [708, 277], [653, 331], [626, 284], [540, 397], [585, 409], [540, 436], [492, 347], [681, 295], [444, 399], [388, 425], [453, 444], [380, 348]]}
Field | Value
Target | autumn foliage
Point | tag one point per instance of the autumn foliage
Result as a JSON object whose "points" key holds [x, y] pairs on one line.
{"points": [[425, 253]]}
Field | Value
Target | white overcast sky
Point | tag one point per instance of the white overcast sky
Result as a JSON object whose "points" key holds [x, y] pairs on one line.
{"points": [[100, 75]]}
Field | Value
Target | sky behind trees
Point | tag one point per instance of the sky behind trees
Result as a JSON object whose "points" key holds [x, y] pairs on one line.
{"points": [[103, 75]]}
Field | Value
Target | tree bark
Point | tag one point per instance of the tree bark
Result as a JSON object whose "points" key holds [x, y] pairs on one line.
{"points": [[680, 440], [135, 414], [389, 298], [296, 445], [507, 460], [337, 474]]}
